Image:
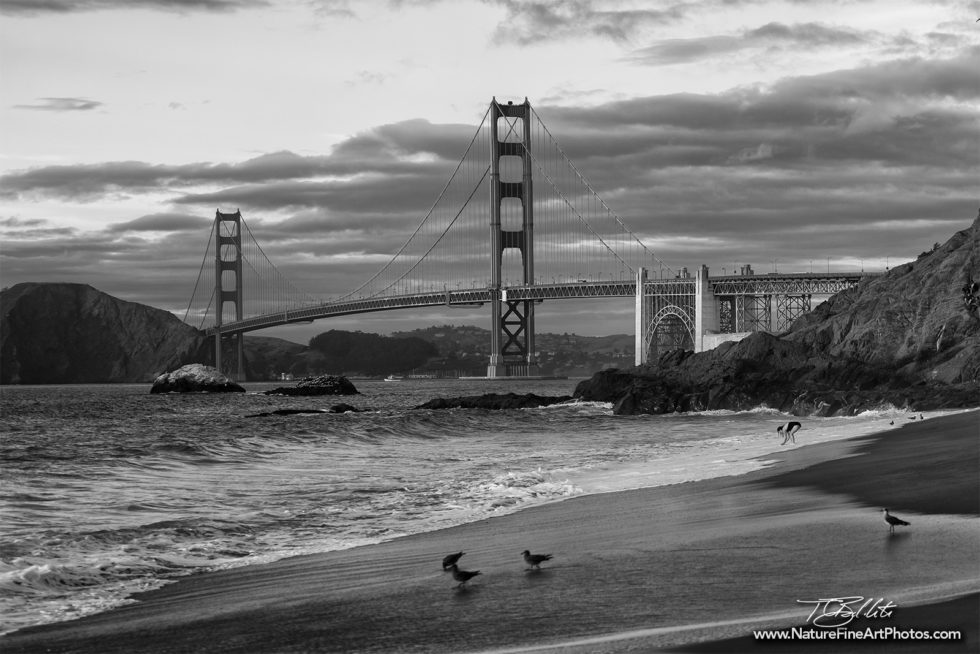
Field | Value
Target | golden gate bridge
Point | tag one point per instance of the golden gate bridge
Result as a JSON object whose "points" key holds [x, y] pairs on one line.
{"points": [[515, 225]]}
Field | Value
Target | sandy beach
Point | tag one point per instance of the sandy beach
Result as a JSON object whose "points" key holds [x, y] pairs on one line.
{"points": [[692, 567]]}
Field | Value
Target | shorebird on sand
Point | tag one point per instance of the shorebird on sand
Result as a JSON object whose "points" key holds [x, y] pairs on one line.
{"points": [[892, 521], [450, 560], [462, 576], [535, 560]]}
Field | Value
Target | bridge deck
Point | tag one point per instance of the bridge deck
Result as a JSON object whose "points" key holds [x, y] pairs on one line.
{"points": [[771, 284]]}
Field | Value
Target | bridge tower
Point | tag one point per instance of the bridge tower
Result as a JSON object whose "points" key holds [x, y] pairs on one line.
{"points": [[512, 352], [228, 259]]}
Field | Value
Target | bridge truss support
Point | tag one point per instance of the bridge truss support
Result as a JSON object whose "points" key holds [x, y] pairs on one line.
{"points": [[512, 352], [789, 308], [228, 259], [766, 313]]}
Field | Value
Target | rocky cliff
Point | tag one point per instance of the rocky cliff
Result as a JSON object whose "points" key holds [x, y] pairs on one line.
{"points": [[74, 334], [910, 338], [919, 318]]}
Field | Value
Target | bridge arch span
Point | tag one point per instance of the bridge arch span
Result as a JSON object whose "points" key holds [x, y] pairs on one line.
{"points": [[672, 327]]}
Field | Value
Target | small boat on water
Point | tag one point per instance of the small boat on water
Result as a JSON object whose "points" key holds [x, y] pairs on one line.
{"points": [[394, 378]]}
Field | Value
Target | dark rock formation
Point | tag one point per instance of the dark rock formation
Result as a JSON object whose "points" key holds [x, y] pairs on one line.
{"points": [[495, 401], [336, 408], [74, 334], [322, 385], [195, 378], [909, 339], [762, 370], [344, 408]]}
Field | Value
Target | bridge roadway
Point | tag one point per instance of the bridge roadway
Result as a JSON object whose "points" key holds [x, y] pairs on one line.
{"points": [[767, 284]]}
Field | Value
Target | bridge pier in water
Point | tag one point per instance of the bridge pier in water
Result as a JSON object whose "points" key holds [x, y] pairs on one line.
{"points": [[228, 259], [512, 351]]}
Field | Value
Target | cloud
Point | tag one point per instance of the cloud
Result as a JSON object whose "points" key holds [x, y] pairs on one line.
{"points": [[14, 222], [770, 37], [42, 7], [160, 222], [673, 51], [759, 152], [332, 8], [368, 77], [807, 120], [534, 21], [809, 34], [61, 104], [400, 150]]}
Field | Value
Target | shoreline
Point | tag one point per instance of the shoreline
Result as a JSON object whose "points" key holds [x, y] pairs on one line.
{"points": [[714, 552]]}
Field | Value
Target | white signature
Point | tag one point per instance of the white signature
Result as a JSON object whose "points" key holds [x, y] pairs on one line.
{"points": [[838, 611]]}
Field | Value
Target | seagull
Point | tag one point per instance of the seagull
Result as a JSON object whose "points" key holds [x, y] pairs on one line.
{"points": [[892, 521], [462, 576], [450, 560], [535, 560]]}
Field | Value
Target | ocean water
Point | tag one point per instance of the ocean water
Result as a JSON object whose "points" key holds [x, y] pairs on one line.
{"points": [[106, 490]]}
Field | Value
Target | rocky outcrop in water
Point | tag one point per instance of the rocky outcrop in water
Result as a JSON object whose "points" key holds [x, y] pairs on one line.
{"points": [[910, 338], [74, 334], [195, 378], [495, 401], [322, 385]]}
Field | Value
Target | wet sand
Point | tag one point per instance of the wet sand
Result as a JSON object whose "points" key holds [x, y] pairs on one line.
{"points": [[690, 567]]}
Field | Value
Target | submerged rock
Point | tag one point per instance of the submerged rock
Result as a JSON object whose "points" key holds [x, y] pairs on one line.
{"points": [[495, 401], [195, 378], [322, 385], [336, 408]]}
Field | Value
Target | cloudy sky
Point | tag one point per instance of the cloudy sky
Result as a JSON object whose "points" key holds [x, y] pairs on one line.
{"points": [[790, 135]]}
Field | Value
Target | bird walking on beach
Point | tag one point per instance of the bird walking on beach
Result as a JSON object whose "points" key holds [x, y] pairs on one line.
{"points": [[462, 576], [535, 560], [892, 521], [451, 559]]}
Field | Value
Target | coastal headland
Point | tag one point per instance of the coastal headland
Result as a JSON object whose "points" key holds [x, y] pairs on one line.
{"points": [[689, 567]]}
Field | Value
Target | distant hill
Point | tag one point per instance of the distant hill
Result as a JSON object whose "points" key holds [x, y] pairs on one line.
{"points": [[268, 357], [74, 334], [371, 354], [467, 348]]}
